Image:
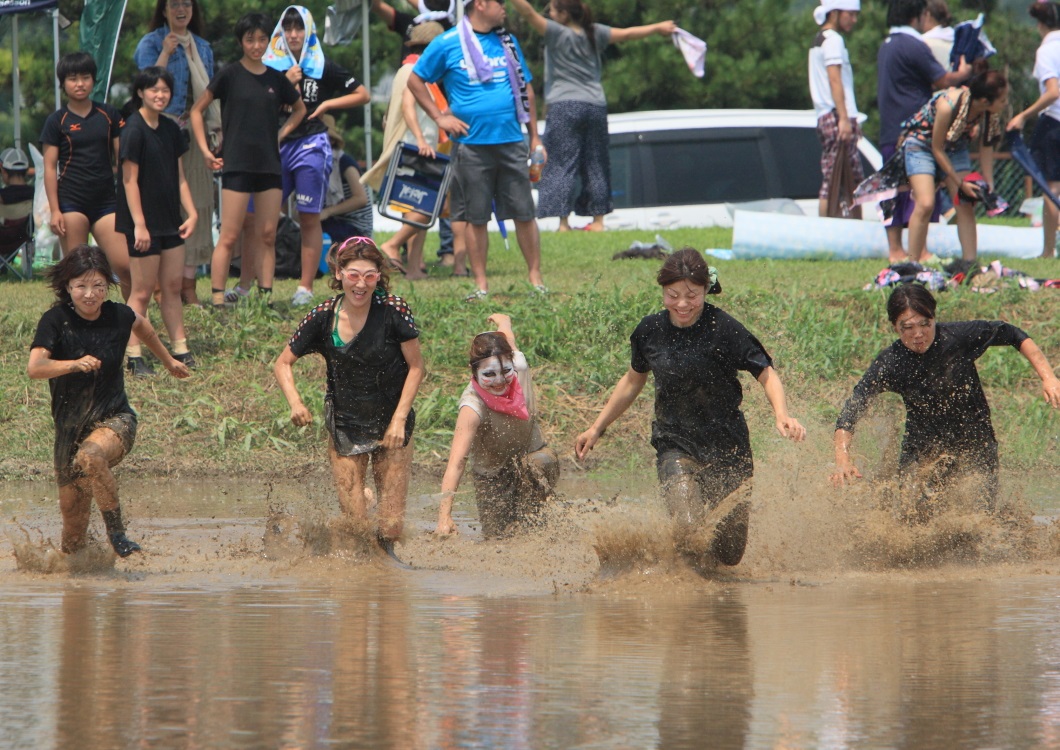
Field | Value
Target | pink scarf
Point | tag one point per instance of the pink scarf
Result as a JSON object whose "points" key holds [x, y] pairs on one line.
{"points": [[512, 403]]}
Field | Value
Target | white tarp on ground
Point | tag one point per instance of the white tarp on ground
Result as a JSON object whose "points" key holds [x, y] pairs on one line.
{"points": [[770, 235]]}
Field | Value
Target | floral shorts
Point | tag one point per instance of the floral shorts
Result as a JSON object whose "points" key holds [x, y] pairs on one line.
{"points": [[828, 133]]}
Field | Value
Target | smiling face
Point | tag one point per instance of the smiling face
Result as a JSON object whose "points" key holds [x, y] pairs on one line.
{"points": [[915, 331], [87, 293], [254, 44], [359, 279], [178, 15], [156, 98], [683, 300], [495, 374]]}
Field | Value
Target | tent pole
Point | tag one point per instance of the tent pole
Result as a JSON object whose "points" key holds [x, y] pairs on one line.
{"points": [[16, 93], [55, 51], [367, 75]]}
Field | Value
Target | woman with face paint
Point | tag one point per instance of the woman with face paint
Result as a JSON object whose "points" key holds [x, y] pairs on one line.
{"points": [[703, 450], [948, 433], [371, 345], [513, 468]]}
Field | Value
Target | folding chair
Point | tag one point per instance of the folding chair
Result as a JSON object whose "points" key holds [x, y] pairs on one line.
{"points": [[414, 183], [16, 238]]}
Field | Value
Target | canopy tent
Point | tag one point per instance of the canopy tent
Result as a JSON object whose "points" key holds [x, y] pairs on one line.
{"points": [[14, 8]]}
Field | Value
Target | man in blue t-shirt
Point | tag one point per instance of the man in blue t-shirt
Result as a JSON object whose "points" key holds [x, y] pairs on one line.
{"points": [[487, 84], [907, 74]]}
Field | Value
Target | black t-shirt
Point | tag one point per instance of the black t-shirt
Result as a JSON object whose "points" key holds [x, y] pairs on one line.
{"points": [[366, 375], [86, 172], [80, 400], [250, 117], [335, 81], [13, 194], [158, 153], [697, 389], [404, 24], [946, 408]]}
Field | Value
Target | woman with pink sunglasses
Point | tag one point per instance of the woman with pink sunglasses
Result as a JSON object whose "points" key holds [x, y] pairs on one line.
{"points": [[374, 368]]}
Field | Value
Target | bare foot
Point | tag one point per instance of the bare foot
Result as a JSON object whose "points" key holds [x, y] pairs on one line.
{"points": [[563, 228], [593, 227], [415, 276], [894, 258]]}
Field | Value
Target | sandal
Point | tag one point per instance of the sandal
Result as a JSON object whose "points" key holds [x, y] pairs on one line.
{"points": [[395, 264]]}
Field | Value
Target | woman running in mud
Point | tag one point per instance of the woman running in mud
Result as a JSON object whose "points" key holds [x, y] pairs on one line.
{"points": [[79, 348], [948, 433], [703, 450], [513, 467], [370, 343]]}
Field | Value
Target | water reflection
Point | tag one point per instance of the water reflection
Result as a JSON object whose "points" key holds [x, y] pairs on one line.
{"points": [[372, 659]]}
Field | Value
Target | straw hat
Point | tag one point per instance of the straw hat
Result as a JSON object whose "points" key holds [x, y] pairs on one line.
{"points": [[422, 34]]}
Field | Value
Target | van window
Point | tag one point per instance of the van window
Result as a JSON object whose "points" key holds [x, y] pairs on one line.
{"points": [[797, 153], [710, 165]]}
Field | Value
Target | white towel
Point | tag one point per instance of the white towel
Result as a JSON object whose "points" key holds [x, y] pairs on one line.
{"points": [[694, 50]]}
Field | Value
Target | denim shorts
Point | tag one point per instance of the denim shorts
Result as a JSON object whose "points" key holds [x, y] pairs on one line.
{"points": [[919, 159]]}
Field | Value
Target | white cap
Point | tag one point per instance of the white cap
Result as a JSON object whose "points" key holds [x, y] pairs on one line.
{"points": [[14, 160], [820, 13]]}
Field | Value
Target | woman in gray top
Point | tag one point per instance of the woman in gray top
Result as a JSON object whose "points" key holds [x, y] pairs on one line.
{"points": [[514, 469], [576, 123]]}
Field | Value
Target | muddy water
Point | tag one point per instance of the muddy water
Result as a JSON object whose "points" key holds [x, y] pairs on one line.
{"points": [[231, 630]]}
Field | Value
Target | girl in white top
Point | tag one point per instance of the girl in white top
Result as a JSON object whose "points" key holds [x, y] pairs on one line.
{"points": [[514, 469], [1045, 143]]}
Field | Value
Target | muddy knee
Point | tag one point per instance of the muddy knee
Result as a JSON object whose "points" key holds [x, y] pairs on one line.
{"points": [[90, 460]]}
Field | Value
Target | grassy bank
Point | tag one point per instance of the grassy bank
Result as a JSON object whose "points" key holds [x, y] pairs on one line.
{"points": [[812, 316]]}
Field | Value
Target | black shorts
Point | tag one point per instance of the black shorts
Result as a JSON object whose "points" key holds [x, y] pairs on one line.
{"points": [[158, 244], [93, 211], [250, 182], [1045, 145]]}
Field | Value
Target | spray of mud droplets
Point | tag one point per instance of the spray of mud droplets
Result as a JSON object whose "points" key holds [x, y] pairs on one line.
{"points": [[42, 556]]}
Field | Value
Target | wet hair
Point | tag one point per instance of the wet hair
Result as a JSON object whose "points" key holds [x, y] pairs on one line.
{"points": [[357, 248], [940, 12], [989, 85], [437, 5], [79, 261], [292, 19], [75, 63], [487, 345], [147, 78], [580, 13], [250, 22], [1047, 14], [904, 12], [910, 297], [196, 25], [687, 264]]}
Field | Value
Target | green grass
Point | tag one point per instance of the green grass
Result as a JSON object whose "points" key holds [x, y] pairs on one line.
{"points": [[812, 316]]}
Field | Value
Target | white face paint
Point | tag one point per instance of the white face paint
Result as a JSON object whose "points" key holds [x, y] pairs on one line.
{"points": [[495, 375]]}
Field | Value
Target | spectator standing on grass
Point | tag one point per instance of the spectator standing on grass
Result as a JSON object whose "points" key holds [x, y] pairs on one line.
{"points": [[1045, 143], [488, 86], [305, 153], [175, 43], [251, 95], [80, 145], [907, 74], [408, 123], [151, 193], [832, 91], [576, 136]]}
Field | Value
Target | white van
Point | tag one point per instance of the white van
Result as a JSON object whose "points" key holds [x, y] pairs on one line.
{"points": [[681, 168], [688, 167]]}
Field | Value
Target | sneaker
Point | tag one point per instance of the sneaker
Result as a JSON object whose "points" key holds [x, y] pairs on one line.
{"points": [[123, 545], [187, 359], [541, 289], [302, 297], [235, 295], [138, 368], [476, 296]]}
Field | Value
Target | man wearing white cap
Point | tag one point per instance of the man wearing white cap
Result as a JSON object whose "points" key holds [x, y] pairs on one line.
{"points": [[832, 90]]}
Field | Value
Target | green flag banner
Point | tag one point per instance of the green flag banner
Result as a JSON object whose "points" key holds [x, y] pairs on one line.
{"points": [[100, 24]]}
